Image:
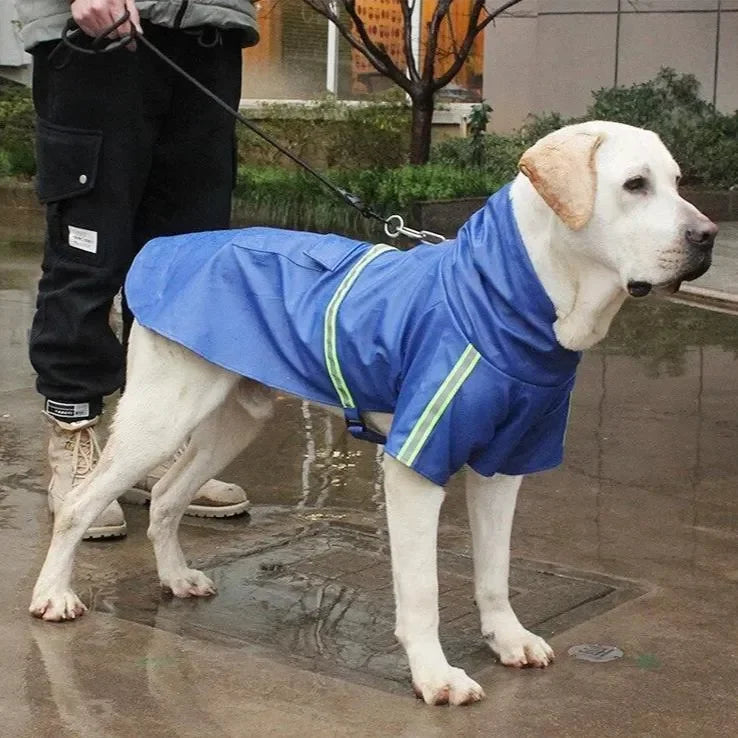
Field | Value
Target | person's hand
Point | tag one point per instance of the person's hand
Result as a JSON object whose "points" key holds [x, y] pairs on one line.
{"points": [[94, 16]]}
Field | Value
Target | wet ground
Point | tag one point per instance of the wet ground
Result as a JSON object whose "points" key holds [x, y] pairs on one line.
{"points": [[631, 544]]}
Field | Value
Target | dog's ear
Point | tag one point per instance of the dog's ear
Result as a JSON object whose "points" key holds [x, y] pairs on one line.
{"points": [[561, 166]]}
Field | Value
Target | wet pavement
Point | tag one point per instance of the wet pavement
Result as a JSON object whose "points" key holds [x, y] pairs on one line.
{"points": [[631, 543], [722, 280]]}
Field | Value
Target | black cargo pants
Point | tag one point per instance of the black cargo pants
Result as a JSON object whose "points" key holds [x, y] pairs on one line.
{"points": [[127, 150]]}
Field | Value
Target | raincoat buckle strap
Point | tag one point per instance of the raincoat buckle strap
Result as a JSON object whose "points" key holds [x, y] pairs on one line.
{"points": [[358, 429]]}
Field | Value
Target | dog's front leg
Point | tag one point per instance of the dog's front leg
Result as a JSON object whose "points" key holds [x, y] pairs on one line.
{"points": [[491, 504], [413, 506]]}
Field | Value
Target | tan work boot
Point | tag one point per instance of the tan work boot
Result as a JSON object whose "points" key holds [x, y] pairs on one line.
{"points": [[215, 499], [73, 454]]}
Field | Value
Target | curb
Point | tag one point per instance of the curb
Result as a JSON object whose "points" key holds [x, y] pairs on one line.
{"points": [[716, 300]]}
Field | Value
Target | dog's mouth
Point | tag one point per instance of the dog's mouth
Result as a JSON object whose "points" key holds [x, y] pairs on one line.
{"points": [[641, 289]]}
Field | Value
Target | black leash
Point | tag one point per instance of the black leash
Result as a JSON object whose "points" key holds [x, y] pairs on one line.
{"points": [[394, 225]]}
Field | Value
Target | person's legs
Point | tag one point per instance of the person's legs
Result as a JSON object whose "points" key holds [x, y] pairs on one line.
{"points": [[94, 154], [193, 171], [190, 186]]}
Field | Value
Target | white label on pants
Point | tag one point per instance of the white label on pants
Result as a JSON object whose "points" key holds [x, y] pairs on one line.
{"points": [[81, 238], [68, 409]]}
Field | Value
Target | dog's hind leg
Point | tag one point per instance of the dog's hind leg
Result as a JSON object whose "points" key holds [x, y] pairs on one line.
{"points": [[413, 507], [491, 504], [213, 444], [169, 392]]}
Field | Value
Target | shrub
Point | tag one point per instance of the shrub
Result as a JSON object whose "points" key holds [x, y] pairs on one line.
{"points": [[398, 188], [703, 140], [331, 134], [17, 121], [289, 198], [499, 156], [5, 166]]}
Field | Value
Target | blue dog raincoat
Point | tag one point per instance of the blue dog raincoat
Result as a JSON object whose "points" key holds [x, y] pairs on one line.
{"points": [[455, 339]]}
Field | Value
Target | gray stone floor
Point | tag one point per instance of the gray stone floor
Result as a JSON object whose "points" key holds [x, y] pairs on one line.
{"points": [[646, 499]]}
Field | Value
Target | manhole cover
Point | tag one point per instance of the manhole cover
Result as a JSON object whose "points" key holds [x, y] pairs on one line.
{"points": [[324, 600]]}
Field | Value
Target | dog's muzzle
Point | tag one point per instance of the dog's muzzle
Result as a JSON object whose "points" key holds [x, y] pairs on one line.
{"points": [[695, 270]]}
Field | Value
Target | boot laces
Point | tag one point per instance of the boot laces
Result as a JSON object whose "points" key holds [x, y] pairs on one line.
{"points": [[85, 453]]}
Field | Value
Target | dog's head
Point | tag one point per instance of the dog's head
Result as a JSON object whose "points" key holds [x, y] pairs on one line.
{"points": [[614, 190]]}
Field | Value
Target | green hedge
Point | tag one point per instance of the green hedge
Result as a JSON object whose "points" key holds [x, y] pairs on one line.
{"points": [[330, 134], [17, 156], [289, 198], [365, 148], [703, 140]]}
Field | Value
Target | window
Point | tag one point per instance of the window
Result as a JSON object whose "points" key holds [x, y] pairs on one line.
{"points": [[302, 56], [290, 60]]}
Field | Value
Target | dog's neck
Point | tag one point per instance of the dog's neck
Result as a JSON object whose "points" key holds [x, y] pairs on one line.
{"points": [[586, 294]]}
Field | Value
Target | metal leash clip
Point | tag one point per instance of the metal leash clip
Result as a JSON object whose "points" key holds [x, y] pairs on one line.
{"points": [[394, 226]]}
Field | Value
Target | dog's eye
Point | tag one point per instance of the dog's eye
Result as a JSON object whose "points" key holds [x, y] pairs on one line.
{"points": [[678, 179], [635, 184]]}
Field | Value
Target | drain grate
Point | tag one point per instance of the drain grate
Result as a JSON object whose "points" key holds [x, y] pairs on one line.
{"points": [[325, 600]]}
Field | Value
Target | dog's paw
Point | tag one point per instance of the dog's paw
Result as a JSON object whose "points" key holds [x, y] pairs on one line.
{"points": [[451, 687], [57, 607], [519, 647], [189, 583]]}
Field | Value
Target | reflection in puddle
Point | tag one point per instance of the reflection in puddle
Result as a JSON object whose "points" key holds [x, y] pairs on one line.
{"points": [[309, 458], [322, 597]]}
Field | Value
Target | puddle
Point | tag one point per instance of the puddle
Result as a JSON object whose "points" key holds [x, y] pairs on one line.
{"points": [[321, 598]]}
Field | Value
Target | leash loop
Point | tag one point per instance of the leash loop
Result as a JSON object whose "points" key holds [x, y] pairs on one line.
{"points": [[394, 226], [73, 38]]}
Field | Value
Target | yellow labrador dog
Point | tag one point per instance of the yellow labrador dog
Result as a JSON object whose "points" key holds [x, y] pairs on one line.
{"points": [[593, 215]]}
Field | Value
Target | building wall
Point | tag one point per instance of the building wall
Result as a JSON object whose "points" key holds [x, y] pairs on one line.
{"points": [[548, 55]]}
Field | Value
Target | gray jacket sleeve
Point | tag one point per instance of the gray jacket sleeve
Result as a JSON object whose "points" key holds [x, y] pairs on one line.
{"points": [[43, 20]]}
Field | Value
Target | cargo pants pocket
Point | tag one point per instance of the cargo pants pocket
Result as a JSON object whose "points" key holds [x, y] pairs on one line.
{"points": [[67, 169]]}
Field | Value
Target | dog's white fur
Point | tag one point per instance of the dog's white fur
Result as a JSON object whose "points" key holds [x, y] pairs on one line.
{"points": [[172, 395]]}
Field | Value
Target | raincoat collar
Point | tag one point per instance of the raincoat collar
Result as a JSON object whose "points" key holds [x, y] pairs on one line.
{"points": [[498, 300]]}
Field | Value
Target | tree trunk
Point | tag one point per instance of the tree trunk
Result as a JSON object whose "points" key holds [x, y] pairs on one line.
{"points": [[420, 133]]}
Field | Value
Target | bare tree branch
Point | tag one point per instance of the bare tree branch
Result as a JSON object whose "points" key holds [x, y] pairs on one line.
{"points": [[393, 71], [407, 7], [491, 16], [454, 45], [376, 55], [474, 28], [439, 13], [418, 76], [323, 7]]}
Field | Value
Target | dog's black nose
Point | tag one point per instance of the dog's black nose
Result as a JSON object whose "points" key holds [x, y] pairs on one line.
{"points": [[703, 235]]}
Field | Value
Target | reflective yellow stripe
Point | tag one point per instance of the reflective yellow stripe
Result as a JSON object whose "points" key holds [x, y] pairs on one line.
{"points": [[329, 325], [437, 406]]}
